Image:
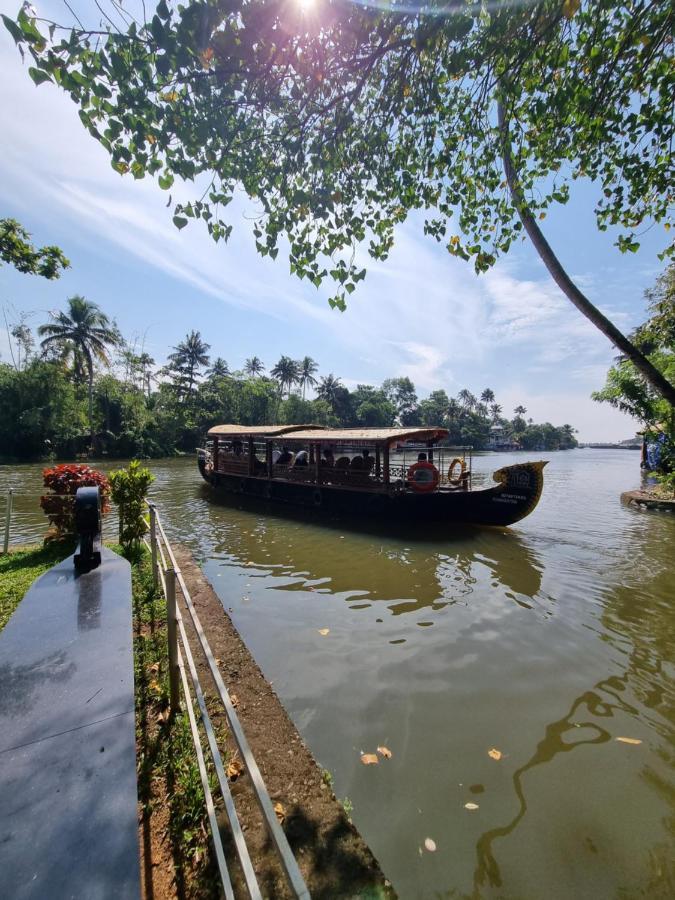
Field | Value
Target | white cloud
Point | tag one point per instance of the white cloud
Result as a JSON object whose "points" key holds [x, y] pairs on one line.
{"points": [[421, 313]]}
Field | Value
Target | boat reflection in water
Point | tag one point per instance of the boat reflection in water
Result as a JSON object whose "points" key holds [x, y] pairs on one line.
{"points": [[411, 571]]}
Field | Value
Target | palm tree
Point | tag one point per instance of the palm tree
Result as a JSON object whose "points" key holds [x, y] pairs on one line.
{"points": [[186, 360], [85, 333], [287, 373], [466, 398], [520, 410], [307, 369], [454, 409], [488, 396], [145, 361], [218, 368], [254, 366], [327, 389], [496, 411]]}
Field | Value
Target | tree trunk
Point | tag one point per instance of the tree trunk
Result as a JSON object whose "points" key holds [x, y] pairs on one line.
{"points": [[91, 405], [660, 384]]}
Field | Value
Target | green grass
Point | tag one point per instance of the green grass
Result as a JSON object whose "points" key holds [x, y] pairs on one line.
{"points": [[20, 568], [165, 753]]}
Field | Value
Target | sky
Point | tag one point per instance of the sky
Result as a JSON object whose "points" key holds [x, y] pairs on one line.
{"points": [[421, 313]]}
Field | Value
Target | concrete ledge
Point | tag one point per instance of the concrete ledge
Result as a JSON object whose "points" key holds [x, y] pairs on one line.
{"points": [[68, 796]]}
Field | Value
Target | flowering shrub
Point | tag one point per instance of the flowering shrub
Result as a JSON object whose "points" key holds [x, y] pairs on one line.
{"points": [[63, 481]]}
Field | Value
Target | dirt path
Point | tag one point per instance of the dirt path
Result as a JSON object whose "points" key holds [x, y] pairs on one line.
{"points": [[333, 858]]}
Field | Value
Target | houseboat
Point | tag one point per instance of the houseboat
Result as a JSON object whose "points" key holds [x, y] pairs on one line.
{"points": [[373, 472]]}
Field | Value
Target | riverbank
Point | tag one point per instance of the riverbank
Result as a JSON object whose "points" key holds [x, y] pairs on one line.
{"points": [[648, 500], [333, 858]]}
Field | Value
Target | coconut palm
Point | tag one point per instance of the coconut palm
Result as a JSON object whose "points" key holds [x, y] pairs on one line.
{"points": [[186, 360], [454, 409], [254, 366], [287, 373], [328, 388], [307, 369], [466, 398], [519, 411], [218, 368], [85, 334], [488, 396], [496, 411], [145, 363]]}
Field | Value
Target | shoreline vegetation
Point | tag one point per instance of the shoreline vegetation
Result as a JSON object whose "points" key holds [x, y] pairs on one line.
{"points": [[86, 391]]}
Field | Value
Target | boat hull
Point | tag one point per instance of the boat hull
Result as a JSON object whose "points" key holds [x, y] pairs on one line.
{"points": [[515, 495]]}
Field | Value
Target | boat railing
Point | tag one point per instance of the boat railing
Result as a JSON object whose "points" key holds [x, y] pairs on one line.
{"points": [[400, 464], [183, 674]]}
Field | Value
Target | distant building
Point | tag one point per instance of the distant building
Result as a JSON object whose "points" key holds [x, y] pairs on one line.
{"points": [[499, 440]]}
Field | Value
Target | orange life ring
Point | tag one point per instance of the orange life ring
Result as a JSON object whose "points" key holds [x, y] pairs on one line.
{"points": [[428, 482], [456, 480]]}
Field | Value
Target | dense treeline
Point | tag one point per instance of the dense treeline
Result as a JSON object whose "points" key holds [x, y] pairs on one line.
{"points": [[82, 388]]}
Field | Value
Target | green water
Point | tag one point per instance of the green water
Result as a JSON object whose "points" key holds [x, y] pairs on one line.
{"points": [[546, 641]]}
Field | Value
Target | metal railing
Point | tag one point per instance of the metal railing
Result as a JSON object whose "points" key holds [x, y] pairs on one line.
{"points": [[182, 670], [8, 518]]}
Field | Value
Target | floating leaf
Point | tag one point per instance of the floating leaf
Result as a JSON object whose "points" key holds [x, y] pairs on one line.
{"points": [[430, 845], [494, 753], [324, 631], [369, 759], [625, 740], [280, 812], [471, 806], [384, 751]]}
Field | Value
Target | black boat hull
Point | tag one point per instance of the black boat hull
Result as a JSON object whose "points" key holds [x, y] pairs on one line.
{"points": [[515, 495]]}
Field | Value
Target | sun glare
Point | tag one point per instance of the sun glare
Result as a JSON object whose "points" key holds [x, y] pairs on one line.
{"points": [[305, 5]]}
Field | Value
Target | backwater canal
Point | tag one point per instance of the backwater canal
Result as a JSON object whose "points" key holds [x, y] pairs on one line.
{"points": [[546, 641]]}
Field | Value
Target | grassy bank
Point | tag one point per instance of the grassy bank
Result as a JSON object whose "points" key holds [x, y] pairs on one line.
{"points": [[174, 837], [20, 568]]}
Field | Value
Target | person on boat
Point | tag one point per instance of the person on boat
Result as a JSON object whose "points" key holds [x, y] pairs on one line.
{"points": [[237, 448], [421, 457], [368, 461], [301, 459], [357, 463], [328, 459], [285, 457]]}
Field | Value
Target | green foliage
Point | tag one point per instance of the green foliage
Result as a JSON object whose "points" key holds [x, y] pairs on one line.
{"points": [[45, 406], [40, 412], [185, 362], [17, 250], [165, 753], [129, 488], [84, 334], [625, 387], [339, 131]]}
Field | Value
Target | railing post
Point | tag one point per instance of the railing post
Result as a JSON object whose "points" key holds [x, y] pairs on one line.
{"points": [[8, 516], [153, 543], [172, 635]]}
